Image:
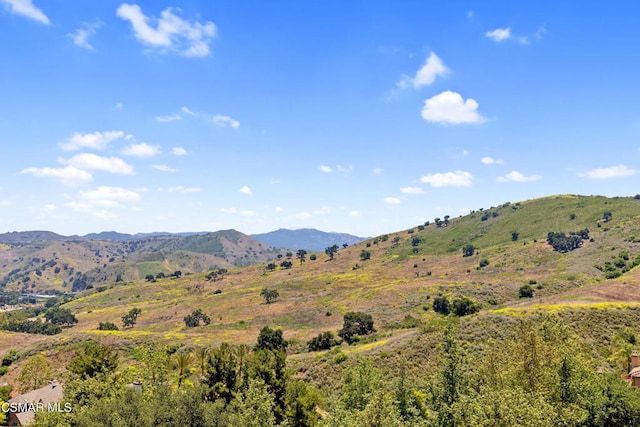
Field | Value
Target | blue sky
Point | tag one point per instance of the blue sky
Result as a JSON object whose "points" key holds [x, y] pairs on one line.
{"points": [[362, 117]]}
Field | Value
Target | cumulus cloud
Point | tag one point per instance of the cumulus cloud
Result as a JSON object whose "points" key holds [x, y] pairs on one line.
{"points": [[181, 189], [81, 36], [178, 151], [70, 175], [90, 161], [163, 168], [325, 169], [105, 196], [448, 179], [167, 119], [224, 121], [391, 200], [247, 212], [412, 190], [618, 171], [515, 176], [141, 150], [499, 34], [245, 190], [187, 111], [491, 161], [95, 140], [377, 171], [28, 9], [322, 211], [450, 108], [355, 214], [345, 169], [171, 32], [229, 210], [426, 75]]}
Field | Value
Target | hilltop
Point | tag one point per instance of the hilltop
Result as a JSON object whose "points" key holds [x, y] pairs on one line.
{"points": [[488, 256], [306, 238]]}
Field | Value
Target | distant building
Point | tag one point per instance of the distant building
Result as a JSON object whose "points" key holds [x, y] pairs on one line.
{"points": [[22, 408]]}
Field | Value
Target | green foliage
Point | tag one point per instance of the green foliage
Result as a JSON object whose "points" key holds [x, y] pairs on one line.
{"points": [[271, 339], [365, 255], [441, 305], [464, 305], [192, 320], [323, 341], [130, 319], [483, 263], [107, 326], [355, 325], [60, 316], [286, 264], [525, 291], [34, 373], [331, 251], [269, 295], [93, 359], [10, 357], [514, 236], [468, 250], [301, 255]]}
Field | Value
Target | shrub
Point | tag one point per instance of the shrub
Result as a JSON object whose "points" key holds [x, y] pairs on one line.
{"points": [[324, 341], [441, 305], [468, 250], [192, 320], [526, 291], [484, 263], [107, 326], [356, 324], [463, 306]]}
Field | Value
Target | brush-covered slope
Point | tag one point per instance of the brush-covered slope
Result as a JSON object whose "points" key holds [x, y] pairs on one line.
{"points": [[67, 264]]}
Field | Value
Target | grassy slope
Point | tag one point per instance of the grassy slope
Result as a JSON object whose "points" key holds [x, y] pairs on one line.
{"points": [[395, 282]]}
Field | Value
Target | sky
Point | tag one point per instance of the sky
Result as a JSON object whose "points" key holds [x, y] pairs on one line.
{"points": [[362, 117]]}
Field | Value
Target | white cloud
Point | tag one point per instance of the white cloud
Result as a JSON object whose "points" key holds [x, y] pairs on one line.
{"points": [[343, 169], [26, 8], [412, 190], [426, 75], [302, 215], [167, 119], [450, 108], [163, 168], [81, 36], [378, 171], [355, 214], [95, 141], [322, 211], [515, 176], [491, 161], [118, 106], [50, 207], [70, 175], [178, 151], [141, 150], [224, 121], [245, 190], [105, 196], [448, 179], [391, 200], [172, 33], [325, 169], [610, 172], [187, 111], [499, 34], [181, 189], [90, 161], [247, 212], [279, 209], [229, 210], [5, 203]]}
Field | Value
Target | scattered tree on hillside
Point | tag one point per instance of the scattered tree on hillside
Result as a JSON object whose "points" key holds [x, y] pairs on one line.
{"points": [[192, 320], [301, 255], [286, 264], [563, 243], [606, 217], [271, 339], [331, 251], [271, 266], [468, 250], [269, 295], [323, 341], [107, 326], [355, 325], [130, 319], [93, 359], [526, 291], [60, 316], [515, 235], [149, 278], [365, 255]]}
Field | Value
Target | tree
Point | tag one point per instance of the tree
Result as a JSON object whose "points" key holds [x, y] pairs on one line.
{"points": [[468, 250], [192, 320], [301, 255], [286, 264], [130, 319], [182, 362], [93, 359], [271, 339], [324, 341], [149, 278], [514, 235], [365, 255], [526, 291], [331, 251], [356, 324], [441, 305], [34, 373], [177, 273], [607, 216], [107, 326], [271, 266], [269, 295], [464, 305], [60, 316]]}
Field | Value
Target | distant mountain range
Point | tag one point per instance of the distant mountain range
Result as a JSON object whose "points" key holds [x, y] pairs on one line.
{"points": [[306, 238]]}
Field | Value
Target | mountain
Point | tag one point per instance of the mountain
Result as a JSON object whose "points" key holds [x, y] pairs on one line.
{"points": [[44, 261], [306, 238]]}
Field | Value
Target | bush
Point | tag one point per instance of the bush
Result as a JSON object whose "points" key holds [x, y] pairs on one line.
{"points": [[463, 306], [355, 325], [468, 250], [526, 291], [484, 263], [441, 305], [192, 320], [107, 326], [324, 341], [10, 357]]}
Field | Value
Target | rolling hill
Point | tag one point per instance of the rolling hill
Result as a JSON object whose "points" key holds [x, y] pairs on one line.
{"points": [[306, 238]]}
